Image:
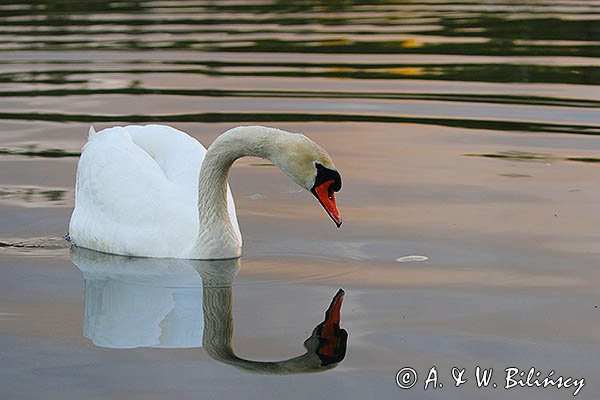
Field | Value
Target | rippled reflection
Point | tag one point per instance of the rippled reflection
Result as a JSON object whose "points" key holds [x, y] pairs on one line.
{"points": [[279, 61], [144, 302]]}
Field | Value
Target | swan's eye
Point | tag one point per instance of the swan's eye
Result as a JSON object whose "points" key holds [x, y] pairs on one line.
{"points": [[325, 174]]}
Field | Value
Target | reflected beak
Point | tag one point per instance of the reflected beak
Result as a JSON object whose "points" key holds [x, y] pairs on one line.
{"points": [[332, 338], [326, 197]]}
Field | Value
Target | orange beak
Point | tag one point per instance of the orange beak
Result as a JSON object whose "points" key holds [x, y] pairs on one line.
{"points": [[324, 193]]}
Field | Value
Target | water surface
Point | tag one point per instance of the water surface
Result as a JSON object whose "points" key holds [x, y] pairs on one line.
{"points": [[465, 132]]}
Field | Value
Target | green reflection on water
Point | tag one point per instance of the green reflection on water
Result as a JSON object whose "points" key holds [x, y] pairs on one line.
{"points": [[37, 196], [339, 46], [133, 90], [364, 29], [584, 159], [587, 75], [34, 152], [299, 117], [504, 27], [527, 156]]}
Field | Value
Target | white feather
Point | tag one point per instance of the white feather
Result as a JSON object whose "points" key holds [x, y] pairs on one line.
{"points": [[137, 192]]}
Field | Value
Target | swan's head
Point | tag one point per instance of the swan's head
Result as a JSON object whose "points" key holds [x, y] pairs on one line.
{"points": [[309, 165]]}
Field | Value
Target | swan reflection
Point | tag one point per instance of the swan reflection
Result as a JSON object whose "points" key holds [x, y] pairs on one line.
{"points": [[173, 303]]}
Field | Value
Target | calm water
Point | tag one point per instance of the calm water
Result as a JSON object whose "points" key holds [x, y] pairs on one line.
{"points": [[465, 132]]}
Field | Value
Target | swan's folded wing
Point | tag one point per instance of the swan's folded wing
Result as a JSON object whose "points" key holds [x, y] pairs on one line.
{"points": [[122, 197], [115, 175], [137, 190]]}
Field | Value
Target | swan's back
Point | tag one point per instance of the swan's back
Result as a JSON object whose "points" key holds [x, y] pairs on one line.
{"points": [[178, 154], [137, 191]]}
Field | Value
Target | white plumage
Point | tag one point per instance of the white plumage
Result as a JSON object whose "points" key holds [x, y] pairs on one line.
{"points": [[137, 192]]}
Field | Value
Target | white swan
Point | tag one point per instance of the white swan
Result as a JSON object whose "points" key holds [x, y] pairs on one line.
{"points": [[154, 191]]}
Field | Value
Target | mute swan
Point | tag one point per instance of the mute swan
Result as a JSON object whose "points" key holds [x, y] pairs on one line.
{"points": [[154, 191]]}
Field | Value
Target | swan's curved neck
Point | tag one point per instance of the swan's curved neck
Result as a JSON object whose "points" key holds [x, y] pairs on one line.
{"points": [[217, 237]]}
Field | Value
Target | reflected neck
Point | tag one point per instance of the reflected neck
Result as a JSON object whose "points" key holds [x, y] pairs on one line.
{"points": [[218, 331]]}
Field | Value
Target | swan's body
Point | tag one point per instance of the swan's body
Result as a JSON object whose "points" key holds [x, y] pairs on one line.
{"points": [[137, 192], [154, 191]]}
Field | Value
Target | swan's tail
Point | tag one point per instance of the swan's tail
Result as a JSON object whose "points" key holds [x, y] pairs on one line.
{"points": [[91, 132]]}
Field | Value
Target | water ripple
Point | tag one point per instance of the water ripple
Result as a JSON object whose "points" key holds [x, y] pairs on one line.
{"points": [[496, 65]]}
